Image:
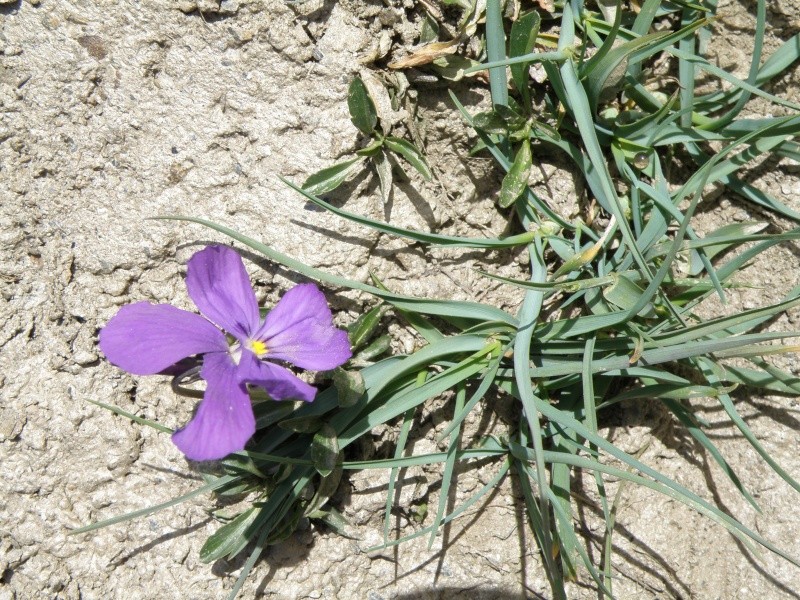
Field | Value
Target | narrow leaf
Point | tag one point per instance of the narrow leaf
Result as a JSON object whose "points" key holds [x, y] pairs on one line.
{"points": [[123, 413], [218, 483], [445, 308], [364, 326], [230, 539], [379, 346], [409, 151], [521, 42], [419, 236]]}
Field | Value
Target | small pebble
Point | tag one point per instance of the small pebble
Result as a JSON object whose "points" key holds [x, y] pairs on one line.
{"points": [[84, 357]]}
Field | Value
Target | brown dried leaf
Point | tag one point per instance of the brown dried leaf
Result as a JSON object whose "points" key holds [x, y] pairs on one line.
{"points": [[433, 9], [426, 54]]}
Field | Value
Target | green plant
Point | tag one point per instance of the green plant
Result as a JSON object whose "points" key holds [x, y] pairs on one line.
{"points": [[622, 320], [380, 152]]}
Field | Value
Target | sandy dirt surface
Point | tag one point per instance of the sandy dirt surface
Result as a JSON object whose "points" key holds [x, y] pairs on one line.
{"points": [[113, 112]]}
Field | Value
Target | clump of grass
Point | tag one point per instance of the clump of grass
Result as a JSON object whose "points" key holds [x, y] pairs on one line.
{"points": [[622, 319]]}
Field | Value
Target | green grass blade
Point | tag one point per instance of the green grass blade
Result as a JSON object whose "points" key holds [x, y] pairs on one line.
{"points": [[445, 308], [410, 152], [123, 413], [410, 399], [402, 439], [423, 359], [560, 499], [496, 50], [488, 487], [230, 539], [557, 368], [644, 19], [565, 520], [532, 57], [726, 402], [686, 72], [683, 415], [420, 459], [528, 315], [722, 74], [536, 523], [632, 52], [612, 40], [263, 458], [780, 60], [487, 379], [259, 546], [766, 377], [744, 320], [673, 490], [608, 198], [421, 325], [590, 416], [275, 509], [205, 489], [449, 465], [521, 41], [752, 76], [417, 236]]}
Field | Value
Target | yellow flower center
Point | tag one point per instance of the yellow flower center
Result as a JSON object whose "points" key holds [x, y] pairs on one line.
{"points": [[257, 347]]}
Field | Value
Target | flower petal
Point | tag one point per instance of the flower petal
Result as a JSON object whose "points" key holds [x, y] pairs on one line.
{"points": [[218, 284], [145, 338], [224, 420], [300, 330], [280, 383]]}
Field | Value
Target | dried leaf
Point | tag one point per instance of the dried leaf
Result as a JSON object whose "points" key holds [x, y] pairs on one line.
{"points": [[426, 54]]}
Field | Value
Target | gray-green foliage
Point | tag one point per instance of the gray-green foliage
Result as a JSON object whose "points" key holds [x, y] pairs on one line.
{"points": [[628, 328]]}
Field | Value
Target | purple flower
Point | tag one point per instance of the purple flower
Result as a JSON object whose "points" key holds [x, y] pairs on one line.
{"points": [[145, 338]]}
